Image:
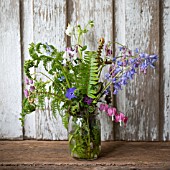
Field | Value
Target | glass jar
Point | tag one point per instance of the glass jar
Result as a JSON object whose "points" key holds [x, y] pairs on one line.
{"points": [[84, 136]]}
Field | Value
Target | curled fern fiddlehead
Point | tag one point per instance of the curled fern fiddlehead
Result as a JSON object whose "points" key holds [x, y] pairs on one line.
{"points": [[99, 51]]}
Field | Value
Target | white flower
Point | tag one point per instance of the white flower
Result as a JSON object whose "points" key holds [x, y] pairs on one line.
{"points": [[71, 71], [64, 62], [73, 63], [66, 56], [70, 30]]}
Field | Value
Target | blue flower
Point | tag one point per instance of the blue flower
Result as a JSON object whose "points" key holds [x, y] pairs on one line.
{"points": [[114, 59], [61, 78], [117, 70], [121, 48], [49, 49], [119, 63], [114, 80], [107, 76], [136, 50], [124, 79], [70, 93]]}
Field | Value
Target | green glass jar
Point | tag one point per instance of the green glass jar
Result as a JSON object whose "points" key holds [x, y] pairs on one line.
{"points": [[84, 136]]}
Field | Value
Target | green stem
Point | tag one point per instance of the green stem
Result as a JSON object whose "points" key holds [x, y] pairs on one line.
{"points": [[88, 144], [63, 70], [42, 74]]}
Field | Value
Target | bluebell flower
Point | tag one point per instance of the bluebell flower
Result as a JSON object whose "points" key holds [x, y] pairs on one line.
{"points": [[119, 63], [117, 70], [120, 48], [136, 50], [107, 76], [124, 79], [114, 59], [114, 80], [115, 91], [117, 85]]}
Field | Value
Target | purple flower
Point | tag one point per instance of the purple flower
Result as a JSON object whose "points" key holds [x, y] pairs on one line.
{"points": [[117, 87], [26, 93], [70, 93], [32, 88], [31, 81], [102, 107], [117, 70], [108, 51], [106, 92], [88, 100], [27, 81], [124, 79], [114, 80], [121, 48], [114, 59], [136, 50], [119, 63], [107, 76]]}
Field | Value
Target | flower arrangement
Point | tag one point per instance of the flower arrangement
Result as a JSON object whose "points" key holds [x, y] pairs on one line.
{"points": [[72, 82]]}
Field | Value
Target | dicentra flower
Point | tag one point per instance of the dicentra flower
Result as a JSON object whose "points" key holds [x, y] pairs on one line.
{"points": [[70, 93], [121, 118]]}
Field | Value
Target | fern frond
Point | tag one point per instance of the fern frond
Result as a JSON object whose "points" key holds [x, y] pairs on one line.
{"points": [[88, 75]]}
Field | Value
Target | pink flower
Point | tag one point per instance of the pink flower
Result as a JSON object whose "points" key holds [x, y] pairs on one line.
{"points": [[31, 81], [101, 107], [32, 88], [111, 111], [26, 93], [27, 81], [121, 118], [125, 120], [106, 107]]}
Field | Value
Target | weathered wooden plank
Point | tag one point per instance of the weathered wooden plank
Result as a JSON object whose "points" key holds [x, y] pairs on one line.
{"points": [[101, 12], [49, 23], [142, 94], [10, 69], [26, 16], [166, 69]]}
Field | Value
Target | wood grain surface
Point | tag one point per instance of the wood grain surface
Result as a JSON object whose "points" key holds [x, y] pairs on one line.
{"points": [[10, 70]]}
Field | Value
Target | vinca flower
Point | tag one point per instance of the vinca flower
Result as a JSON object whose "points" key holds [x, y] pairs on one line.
{"points": [[70, 93], [88, 100]]}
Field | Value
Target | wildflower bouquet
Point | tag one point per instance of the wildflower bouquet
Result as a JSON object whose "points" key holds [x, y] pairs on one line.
{"points": [[72, 83]]}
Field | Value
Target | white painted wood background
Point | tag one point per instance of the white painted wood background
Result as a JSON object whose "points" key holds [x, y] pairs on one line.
{"points": [[136, 23]]}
